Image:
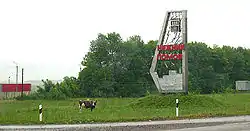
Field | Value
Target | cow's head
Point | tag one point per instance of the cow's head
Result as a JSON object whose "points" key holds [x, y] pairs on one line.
{"points": [[94, 103]]}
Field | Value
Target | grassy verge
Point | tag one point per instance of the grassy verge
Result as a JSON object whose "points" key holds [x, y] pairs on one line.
{"points": [[125, 109]]}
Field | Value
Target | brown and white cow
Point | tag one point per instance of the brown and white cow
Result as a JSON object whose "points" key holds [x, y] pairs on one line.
{"points": [[87, 104]]}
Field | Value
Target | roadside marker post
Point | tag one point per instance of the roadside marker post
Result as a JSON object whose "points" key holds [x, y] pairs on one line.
{"points": [[40, 112], [177, 107]]}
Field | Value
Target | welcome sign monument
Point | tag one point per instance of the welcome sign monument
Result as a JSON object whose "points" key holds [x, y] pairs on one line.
{"points": [[169, 68]]}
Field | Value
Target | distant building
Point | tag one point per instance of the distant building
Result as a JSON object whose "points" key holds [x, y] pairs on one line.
{"points": [[243, 85], [13, 90]]}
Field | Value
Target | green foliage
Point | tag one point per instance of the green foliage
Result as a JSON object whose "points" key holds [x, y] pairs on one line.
{"points": [[69, 88], [216, 69], [118, 68], [190, 101], [114, 67]]}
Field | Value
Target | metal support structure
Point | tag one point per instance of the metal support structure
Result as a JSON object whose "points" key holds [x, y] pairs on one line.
{"points": [[185, 53], [174, 31], [153, 65]]}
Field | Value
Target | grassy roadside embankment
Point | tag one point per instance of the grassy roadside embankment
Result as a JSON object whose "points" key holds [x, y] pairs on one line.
{"points": [[125, 109]]}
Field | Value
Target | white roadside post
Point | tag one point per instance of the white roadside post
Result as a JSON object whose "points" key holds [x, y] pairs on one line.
{"points": [[40, 112], [177, 108]]}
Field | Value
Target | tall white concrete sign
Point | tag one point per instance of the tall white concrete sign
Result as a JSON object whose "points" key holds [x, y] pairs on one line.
{"points": [[171, 52]]}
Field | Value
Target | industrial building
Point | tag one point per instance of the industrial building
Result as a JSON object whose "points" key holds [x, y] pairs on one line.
{"points": [[13, 90]]}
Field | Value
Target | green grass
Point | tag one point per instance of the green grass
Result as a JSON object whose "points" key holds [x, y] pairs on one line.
{"points": [[125, 109]]}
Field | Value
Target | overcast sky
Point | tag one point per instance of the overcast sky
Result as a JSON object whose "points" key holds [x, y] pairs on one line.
{"points": [[48, 38]]}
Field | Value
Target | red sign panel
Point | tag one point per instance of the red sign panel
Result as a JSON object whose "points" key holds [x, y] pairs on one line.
{"points": [[12, 87], [173, 47], [169, 56]]}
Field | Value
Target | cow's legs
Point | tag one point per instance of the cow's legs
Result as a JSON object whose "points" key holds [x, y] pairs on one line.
{"points": [[80, 107], [92, 108]]}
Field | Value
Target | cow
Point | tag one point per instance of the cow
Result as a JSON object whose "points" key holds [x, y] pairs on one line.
{"points": [[87, 104]]}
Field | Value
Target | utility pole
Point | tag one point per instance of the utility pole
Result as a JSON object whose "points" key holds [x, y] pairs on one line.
{"points": [[22, 83], [16, 77], [7, 92]]}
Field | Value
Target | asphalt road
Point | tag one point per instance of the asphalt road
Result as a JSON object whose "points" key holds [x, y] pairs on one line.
{"points": [[211, 124], [225, 127]]}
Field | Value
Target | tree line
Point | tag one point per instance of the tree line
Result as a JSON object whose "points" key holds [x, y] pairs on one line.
{"points": [[114, 67]]}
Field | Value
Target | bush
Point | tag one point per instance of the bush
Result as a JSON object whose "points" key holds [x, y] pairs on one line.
{"points": [[26, 97], [54, 95], [157, 101]]}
